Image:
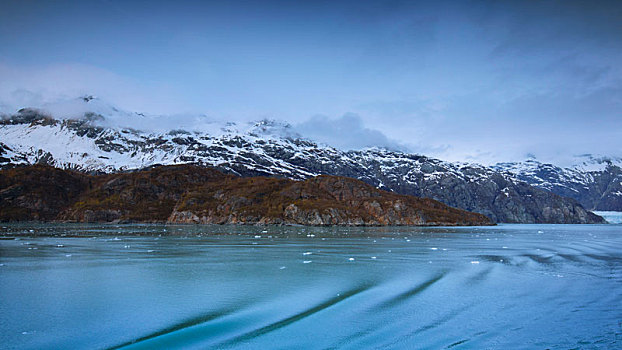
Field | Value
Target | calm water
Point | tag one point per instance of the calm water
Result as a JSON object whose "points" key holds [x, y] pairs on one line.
{"points": [[152, 286]]}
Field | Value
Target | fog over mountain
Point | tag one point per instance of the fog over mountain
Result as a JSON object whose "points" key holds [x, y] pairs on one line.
{"points": [[108, 139]]}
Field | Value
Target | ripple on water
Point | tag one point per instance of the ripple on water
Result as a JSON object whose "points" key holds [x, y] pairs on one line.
{"points": [[495, 287]]}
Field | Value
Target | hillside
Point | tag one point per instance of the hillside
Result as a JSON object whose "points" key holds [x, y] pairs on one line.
{"points": [[194, 194]]}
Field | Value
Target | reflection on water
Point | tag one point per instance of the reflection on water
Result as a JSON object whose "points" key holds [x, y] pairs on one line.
{"points": [[156, 286]]}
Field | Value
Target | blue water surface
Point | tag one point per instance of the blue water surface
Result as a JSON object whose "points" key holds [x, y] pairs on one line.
{"points": [[70, 286]]}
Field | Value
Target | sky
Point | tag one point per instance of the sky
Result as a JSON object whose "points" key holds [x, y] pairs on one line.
{"points": [[481, 81]]}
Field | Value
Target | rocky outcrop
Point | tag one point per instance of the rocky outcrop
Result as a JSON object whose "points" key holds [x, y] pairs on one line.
{"points": [[193, 194], [323, 200]]}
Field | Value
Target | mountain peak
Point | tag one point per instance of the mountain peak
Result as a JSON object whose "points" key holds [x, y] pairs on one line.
{"points": [[592, 162], [88, 98], [272, 128]]}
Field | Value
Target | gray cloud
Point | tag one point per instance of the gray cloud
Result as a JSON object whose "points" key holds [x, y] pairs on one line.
{"points": [[34, 86], [346, 132]]}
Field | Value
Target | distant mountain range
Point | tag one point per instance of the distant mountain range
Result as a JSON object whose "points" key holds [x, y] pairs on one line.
{"points": [[596, 182], [95, 137]]}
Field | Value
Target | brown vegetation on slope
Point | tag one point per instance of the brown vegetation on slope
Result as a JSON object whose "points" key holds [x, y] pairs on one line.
{"points": [[38, 192], [142, 196], [323, 200], [191, 194]]}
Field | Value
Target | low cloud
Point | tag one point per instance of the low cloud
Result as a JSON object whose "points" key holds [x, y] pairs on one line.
{"points": [[36, 86], [347, 132]]}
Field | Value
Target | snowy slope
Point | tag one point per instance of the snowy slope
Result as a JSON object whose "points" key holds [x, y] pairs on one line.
{"points": [[594, 181]]}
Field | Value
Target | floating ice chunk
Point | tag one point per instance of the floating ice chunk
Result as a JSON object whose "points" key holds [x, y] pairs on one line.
{"points": [[444, 249], [68, 255], [306, 262], [474, 262], [389, 250], [126, 246], [264, 231], [433, 248], [373, 257], [282, 267], [116, 239], [540, 231], [258, 236], [150, 251], [351, 259], [504, 247], [60, 245], [306, 253], [310, 235], [1, 264]]}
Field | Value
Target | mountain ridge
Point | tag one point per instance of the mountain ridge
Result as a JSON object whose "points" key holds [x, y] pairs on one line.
{"points": [[596, 183], [263, 149]]}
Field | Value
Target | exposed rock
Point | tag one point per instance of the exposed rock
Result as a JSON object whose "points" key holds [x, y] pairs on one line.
{"points": [[323, 200], [193, 194]]}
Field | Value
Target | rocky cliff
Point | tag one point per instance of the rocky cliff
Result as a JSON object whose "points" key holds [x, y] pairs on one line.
{"points": [[193, 194]]}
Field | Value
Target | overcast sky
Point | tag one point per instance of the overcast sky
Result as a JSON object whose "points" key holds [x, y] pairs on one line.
{"points": [[460, 80]]}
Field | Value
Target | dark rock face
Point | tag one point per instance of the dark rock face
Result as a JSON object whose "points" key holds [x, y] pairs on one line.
{"points": [[473, 188], [593, 189], [192, 194]]}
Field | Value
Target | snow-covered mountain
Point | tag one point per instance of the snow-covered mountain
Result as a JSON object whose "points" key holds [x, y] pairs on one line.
{"points": [[107, 140], [594, 181]]}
